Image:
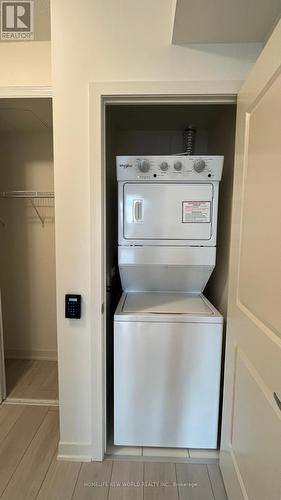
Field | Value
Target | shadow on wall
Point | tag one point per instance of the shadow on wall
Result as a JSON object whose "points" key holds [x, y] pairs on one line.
{"points": [[223, 137]]}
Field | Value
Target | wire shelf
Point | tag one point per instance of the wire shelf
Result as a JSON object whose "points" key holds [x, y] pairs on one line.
{"points": [[32, 196], [27, 194]]}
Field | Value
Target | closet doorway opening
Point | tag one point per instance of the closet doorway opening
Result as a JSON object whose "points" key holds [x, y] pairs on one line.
{"points": [[157, 128], [27, 251]]}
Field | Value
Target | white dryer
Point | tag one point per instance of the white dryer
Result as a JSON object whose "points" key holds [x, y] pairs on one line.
{"points": [[167, 221], [167, 335]]}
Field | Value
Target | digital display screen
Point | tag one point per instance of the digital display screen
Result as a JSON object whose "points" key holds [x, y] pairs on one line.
{"points": [[72, 300]]}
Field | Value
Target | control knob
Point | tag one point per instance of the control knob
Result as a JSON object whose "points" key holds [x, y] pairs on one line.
{"points": [[178, 166], [199, 166], [144, 166], [164, 166]]}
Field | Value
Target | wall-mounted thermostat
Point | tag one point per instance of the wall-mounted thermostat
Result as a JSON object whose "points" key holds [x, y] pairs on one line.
{"points": [[73, 306]]}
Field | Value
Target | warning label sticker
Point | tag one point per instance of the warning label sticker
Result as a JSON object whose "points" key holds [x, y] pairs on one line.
{"points": [[196, 211]]}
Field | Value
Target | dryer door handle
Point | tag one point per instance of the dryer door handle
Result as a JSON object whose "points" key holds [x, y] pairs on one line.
{"points": [[138, 211]]}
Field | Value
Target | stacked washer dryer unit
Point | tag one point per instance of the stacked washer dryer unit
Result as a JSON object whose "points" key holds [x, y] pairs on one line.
{"points": [[167, 335]]}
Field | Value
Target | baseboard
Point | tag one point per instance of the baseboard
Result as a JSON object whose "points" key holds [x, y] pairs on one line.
{"points": [[39, 354], [74, 452]]}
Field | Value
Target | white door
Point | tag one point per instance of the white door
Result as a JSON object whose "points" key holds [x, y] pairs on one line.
{"points": [[251, 433], [160, 211], [2, 360]]}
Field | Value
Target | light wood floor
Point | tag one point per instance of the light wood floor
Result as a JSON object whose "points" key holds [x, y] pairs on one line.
{"points": [[29, 468], [32, 379]]}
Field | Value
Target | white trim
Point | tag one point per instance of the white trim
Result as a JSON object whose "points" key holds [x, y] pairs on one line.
{"points": [[97, 284], [37, 354], [167, 91], [101, 93], [192, 99], [31, 402], [74, 452], [25, 92], [238, 474]]}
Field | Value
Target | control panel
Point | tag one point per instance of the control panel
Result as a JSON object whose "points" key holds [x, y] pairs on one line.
{"points": [[73, 306], [176, 168]]}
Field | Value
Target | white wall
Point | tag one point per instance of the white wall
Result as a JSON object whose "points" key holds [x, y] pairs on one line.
{"points": [[25, 64], [99, 40], [28, 284]]}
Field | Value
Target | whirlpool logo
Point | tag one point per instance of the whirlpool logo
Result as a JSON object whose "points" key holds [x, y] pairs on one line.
{"points": [[17, 20], [125, 165]]}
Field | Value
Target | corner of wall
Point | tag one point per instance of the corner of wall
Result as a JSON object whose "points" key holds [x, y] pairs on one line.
{"points": [[74, 452]]}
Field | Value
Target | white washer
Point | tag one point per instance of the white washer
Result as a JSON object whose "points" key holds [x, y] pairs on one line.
{"points": [[167, 363]]}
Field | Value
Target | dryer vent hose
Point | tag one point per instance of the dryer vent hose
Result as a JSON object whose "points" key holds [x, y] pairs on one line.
{"points": [[189, 139]]}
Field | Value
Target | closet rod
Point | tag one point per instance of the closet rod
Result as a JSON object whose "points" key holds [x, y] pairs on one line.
{"points": [[27, 194]]}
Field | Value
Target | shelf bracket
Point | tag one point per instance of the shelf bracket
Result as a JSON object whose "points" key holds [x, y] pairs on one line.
{"points": [[42, 219]]}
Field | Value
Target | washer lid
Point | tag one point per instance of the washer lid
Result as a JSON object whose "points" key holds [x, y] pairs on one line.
{"points": [[166, 303]]}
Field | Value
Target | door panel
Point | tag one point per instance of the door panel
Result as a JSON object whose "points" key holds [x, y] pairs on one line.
{"points": [[255, 445], [251, 426], [165, 212], [260, 271]]}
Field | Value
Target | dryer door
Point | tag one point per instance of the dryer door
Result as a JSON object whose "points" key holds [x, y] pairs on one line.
{"points": [[162, 211]]}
